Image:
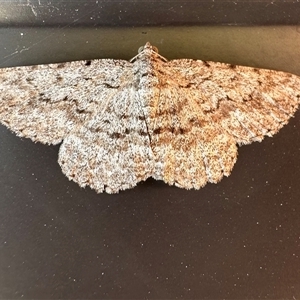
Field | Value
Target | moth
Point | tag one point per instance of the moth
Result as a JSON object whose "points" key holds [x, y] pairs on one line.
{"points": [[120, 122]]}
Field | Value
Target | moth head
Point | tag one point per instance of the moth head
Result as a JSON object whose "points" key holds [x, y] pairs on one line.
{"points": [[146, 52], [146, 47]]}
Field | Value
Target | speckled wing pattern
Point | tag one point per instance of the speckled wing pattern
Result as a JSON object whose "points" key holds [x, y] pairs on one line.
{"points": [[121, 122]]}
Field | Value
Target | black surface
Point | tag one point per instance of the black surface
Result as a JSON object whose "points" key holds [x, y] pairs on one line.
{"points": [[148, 13], [239, 239]]}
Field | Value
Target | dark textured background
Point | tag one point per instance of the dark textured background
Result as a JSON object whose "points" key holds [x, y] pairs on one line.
{"points": [[145, 12], [239, 239]]}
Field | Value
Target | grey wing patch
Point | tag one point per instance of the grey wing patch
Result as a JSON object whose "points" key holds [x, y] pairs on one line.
{"points": [[189, 149], [248, 103], [112, 151], [91, 106], [46, 102]]}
